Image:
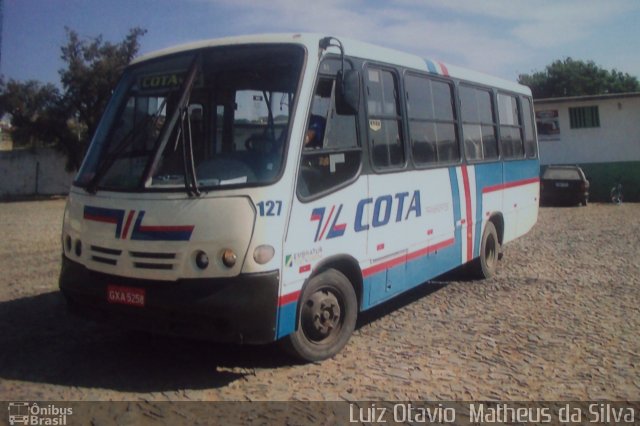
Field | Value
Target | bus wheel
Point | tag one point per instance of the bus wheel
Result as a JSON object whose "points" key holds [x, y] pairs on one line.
{"points": [[487, 263], [327, 317]]}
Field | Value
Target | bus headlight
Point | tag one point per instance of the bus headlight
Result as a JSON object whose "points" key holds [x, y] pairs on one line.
{"points": [[202, 260], [78, 248], [229, 258], [264, 253]]}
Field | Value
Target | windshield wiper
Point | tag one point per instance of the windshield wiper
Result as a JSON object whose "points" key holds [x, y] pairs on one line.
{"points": [[185, 93], [108, 161], [186, 136]]}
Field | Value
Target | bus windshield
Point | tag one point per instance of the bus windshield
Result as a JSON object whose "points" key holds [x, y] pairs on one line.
{"points": [[213, 118]]}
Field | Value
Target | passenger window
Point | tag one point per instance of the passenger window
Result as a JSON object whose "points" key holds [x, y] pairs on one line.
{"points": [[478, 124], [510, 127], [331, 153], [530, 147], [384, 120], [432, 124]]}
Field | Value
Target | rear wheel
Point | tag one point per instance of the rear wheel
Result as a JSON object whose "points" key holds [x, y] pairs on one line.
{"points": [[487, 264], [327, 317]]}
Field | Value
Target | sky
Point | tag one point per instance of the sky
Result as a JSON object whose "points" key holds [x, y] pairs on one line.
{"points": [[500, 37]]}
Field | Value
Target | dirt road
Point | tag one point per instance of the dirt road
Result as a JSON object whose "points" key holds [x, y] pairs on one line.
{"points": [[559, 322]]}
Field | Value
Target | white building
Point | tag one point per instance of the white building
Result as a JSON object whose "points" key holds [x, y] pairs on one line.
{"points": [[600, 133]]}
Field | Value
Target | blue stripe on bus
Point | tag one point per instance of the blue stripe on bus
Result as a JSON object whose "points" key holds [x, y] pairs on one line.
{"points": [[487, 175], [394, 280], [455, 198], [416, 271], [431, 66], [405, 274], [520, 170], [286, 319]]}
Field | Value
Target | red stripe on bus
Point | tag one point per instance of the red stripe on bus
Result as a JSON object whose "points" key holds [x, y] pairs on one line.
{"points": [[404, 258], [467, 202], [104, 219], [327, 222], [508, 185], [429, 249], [384, 266], [288, 298], [445, 71], [127, 224]]}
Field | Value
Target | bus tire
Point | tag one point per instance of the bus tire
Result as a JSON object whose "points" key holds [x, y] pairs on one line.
{"points": [[487, 263], [326, 317]]}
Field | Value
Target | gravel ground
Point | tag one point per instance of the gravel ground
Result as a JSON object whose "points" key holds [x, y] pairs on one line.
{"points": [[560, 321]]}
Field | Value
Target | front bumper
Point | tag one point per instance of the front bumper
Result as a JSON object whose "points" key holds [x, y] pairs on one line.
{"points": [[240, 309]]}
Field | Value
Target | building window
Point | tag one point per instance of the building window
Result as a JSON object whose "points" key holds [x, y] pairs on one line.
{"points": [[584, 117]]}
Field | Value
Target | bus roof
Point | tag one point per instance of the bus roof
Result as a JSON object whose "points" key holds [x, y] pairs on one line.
{"points": [[353, 48]]}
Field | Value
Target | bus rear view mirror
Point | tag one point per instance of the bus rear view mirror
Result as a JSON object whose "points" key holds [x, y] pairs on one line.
{"points": [[347, 92]]}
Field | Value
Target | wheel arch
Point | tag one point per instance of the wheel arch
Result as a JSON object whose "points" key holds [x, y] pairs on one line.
{"points": [[348, 266]]}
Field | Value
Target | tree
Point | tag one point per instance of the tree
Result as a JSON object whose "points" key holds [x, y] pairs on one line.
{"points": [[30, 105], [571, 77], [91, 73], [68, 119]]}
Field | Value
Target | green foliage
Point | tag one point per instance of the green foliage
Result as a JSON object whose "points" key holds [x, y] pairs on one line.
{"points": [[92, 71], [30, 105], [571, 77], [69, 118]]}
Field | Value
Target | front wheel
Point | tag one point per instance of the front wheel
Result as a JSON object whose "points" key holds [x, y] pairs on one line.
{"points": [[487, 264], [326, 319]]}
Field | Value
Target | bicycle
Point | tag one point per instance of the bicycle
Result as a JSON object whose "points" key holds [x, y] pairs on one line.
{"points": [[616, 194]]}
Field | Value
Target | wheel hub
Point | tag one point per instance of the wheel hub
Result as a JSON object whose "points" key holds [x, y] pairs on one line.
{"points": [[321, 315]]}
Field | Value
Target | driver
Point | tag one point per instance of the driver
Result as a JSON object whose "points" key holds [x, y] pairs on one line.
{"points": [[315, 132]]}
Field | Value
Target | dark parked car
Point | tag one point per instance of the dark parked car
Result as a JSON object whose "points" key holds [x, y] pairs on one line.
{"points": [[565, 185]]}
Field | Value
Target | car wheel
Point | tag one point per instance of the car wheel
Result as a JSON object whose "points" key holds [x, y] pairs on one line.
{"points": [[326, 317]]}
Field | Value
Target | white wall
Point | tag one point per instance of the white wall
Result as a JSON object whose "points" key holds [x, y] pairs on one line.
{"points": [[20, 168], [617, 138]]}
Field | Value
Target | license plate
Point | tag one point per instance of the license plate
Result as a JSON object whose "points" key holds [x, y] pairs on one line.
{"points": [[562, 184], [125, 295]]}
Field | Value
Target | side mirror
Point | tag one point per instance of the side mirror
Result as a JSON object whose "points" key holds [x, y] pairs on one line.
{"points": [[347, 92]]}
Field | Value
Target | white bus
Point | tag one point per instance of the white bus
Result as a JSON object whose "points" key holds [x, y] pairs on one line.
{"points": [[265, 188]]}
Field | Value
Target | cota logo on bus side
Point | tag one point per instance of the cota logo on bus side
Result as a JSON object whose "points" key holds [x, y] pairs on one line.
{"points": [[396, 207]]}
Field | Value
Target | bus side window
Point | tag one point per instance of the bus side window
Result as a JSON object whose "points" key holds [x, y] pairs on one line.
{"points": [[384, 120], [331, 153], [478, 124], [510, 127], [432, 121]]}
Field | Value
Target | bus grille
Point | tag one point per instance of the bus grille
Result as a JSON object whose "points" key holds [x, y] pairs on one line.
{"points": [[161, 261], [105, 255], [153, 260]]}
